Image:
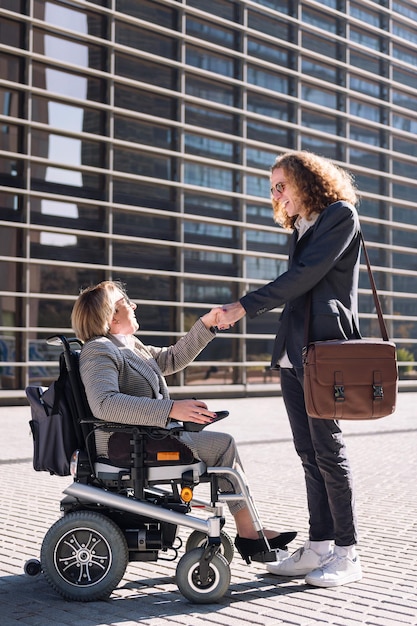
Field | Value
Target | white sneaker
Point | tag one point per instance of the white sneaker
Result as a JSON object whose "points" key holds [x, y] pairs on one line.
{"points": [[339, 569], [300, 563]]}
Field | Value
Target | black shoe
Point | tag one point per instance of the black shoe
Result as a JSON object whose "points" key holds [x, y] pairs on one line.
{"points": [[249, 547]]}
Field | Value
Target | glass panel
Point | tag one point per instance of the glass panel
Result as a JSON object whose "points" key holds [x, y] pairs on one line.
{"points": [[136, 224], [404, 168], [265, 242], [206, 176], [262, 105], [319, 70], [207, 60], [365, 110], [322, 45], [150, 256], [366, 158], [269, 133], [208, 291], [212, 148], [269, 25], [268, 80], [358, 83], [150, 287], [138, 131], [200, 204], [258, 185], [80, 21], [62, 48], [68, 280], [146, 40], [210, 374], [316, 95], [268, 52], [319, 19], [321, 122], [68, 84], [211, 119], [403, 99], [67, 116], [144, 102], [67, 182], [364, 14], [214, 263], [149, 10], [11, 207], [142, 163], [11, 33], [211, 32], [12, 243], [328, 149], [403, 76], [404, 191], [365, 38], [366, 62], [67, 215], [11, 137], [260, 158], [67, 247], [210, 90], [10, 104], [66, 151], [152, 73], [50, 313], [223, 8], [210, 234], [144, 194]]}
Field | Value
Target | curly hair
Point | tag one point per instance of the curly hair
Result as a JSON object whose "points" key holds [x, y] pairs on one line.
{"points": [[318, 182], [94, 308]]}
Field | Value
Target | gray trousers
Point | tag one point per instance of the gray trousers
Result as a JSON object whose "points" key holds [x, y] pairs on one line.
{"points": [[216, 450], [328, 477]]}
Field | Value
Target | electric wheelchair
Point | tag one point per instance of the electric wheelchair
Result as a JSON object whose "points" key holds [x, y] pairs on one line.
{"points": [[113, 514]]}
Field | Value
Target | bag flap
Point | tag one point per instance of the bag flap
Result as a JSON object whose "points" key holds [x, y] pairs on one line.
{"points": [[352, 362]]}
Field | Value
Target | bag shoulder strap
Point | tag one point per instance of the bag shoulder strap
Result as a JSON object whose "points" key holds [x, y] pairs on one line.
{"points": [[382, 325]]}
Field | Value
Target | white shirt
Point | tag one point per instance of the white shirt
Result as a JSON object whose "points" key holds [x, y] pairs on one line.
{"points": [[301, 224]]}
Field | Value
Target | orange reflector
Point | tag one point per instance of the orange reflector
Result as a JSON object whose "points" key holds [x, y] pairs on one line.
{"points": [[186, 494], [168, 456]]}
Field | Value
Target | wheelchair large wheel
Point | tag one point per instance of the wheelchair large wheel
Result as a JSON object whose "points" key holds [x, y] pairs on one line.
{"points": [[189, 581], [198, 539], [84, 556]]}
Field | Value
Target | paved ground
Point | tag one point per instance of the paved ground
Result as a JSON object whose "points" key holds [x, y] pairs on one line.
{"points": [[384, 457]]}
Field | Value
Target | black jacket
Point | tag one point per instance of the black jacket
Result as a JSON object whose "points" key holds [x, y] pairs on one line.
{"points": [[325, 261]]}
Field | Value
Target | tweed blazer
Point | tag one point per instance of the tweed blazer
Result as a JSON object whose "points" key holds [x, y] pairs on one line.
{"points": [[127, 385], [325, 262]]}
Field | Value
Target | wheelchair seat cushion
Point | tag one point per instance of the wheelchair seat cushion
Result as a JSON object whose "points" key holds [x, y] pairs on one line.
{"points": [[159, 451]]}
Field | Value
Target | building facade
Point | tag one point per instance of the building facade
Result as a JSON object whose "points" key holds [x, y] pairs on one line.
{"points": [[136, 142]]}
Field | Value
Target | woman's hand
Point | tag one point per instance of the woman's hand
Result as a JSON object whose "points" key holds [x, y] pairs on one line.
{"points": [[211, 318], [191, 411]]}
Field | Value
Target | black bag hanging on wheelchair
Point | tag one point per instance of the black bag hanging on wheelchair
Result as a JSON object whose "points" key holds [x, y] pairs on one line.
{"points": [[55, 432]]}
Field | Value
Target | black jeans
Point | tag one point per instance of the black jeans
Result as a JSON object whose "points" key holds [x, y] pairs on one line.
{"points": [[320, 446]]}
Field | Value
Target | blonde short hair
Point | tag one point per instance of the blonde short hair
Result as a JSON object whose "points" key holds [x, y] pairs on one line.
{"points": [[94, 308]]}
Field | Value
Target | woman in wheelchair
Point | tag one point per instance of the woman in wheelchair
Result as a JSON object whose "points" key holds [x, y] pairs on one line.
{"points": [[124, 382]]}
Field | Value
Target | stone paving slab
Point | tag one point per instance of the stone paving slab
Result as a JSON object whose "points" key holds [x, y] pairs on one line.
{"points": [[384, 459]]}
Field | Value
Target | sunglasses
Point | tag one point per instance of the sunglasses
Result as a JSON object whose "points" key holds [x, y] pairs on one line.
{"points": [[279, 187]]}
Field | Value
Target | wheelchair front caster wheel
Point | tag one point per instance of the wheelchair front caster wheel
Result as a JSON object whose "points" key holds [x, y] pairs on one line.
{"points": [[198, 539], [189, 580], [32, 567]]}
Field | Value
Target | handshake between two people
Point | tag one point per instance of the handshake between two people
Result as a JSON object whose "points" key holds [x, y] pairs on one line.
{"points": [[224, 317]]}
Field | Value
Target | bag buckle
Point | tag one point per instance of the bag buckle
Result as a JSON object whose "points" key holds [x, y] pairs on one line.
{"points": [[339, 393], [378, 392]]}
